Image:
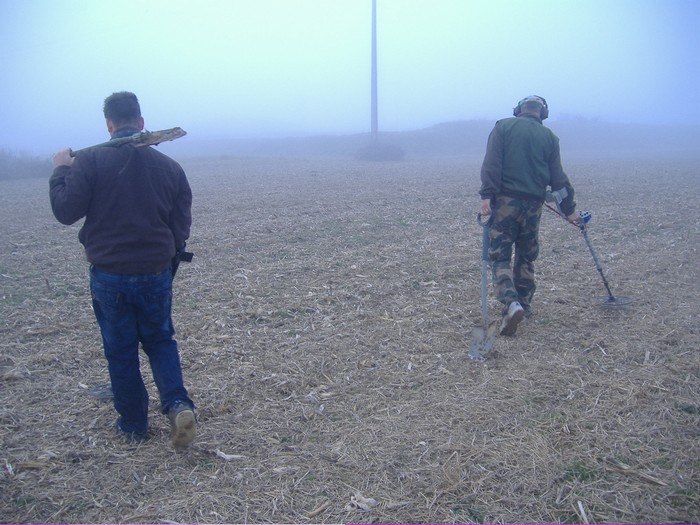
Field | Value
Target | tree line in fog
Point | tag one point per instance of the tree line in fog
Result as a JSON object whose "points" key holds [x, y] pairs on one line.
{"points": [[21, 165]]}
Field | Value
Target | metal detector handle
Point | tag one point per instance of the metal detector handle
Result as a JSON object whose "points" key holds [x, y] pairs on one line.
{"points": [[557, 197]]}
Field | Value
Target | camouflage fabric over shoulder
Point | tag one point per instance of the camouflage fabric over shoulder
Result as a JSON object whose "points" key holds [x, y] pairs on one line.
{"points": [[139, 140], [151, 138]]}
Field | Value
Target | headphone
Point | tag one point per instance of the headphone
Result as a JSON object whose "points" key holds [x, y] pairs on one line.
{"points": [[544, 111]]}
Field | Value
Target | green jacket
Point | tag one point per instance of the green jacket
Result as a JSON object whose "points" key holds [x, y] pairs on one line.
{"points": [[522, 160]]}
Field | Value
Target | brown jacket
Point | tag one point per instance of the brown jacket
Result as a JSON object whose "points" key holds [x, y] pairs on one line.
{"points": [[136, 203]]}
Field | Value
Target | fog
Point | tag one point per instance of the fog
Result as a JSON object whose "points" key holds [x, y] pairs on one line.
{"points": [[277, 68]]}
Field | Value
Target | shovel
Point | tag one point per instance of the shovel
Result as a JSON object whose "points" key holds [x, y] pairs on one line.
{"points": [[483, 336]]}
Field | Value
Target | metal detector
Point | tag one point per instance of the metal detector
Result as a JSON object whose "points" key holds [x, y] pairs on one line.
{"points": [[584, 217]]}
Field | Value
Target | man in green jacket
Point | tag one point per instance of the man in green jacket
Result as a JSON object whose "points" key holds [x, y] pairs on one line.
{"points": [[522, 160]]}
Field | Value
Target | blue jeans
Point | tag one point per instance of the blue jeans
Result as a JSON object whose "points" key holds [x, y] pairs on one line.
{"points": [[133, 308]]}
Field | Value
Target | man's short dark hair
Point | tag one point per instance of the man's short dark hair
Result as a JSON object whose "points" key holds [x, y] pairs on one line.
{"points": [[122, 108]]}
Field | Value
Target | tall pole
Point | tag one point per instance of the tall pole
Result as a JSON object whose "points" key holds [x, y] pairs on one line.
{"points": [[375, 126]]}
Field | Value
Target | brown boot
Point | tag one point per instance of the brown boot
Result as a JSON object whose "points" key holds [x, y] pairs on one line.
{"points": [[183, 425]]}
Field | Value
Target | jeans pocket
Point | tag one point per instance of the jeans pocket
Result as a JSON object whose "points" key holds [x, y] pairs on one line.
{"points": [[114, 316], [155, 317]]}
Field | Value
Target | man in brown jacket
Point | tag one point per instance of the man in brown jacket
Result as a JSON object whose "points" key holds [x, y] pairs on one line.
{"points": [[137, 208]]}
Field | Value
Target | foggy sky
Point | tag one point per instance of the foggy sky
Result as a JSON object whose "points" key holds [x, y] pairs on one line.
{"points": [[258, 68]]}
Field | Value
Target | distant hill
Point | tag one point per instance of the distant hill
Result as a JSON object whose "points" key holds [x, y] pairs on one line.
{"points": [[21, 166], [578, 136]]}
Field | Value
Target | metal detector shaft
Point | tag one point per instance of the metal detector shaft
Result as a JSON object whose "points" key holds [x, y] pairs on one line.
{"points": [[582, 227], [595, 260]]}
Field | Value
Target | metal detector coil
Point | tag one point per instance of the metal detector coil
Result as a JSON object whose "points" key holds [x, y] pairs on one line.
{"points": [[613, 301]]}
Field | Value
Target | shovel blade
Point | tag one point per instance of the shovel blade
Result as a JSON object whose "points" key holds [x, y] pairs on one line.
{"points": [[482, 341]]}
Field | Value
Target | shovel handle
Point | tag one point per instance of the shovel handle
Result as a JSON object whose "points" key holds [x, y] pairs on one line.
{"points": [[487, 222], [485, 234], [484, 264]]}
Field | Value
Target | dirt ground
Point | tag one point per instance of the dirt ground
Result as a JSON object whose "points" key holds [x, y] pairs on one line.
{"points": [[324, 326]]}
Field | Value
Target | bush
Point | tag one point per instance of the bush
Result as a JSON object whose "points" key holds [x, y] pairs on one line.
{"points": [[378, 151], [22, 166]]}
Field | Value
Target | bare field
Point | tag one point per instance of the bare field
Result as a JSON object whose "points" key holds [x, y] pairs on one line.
{"points": [[324, 326]]}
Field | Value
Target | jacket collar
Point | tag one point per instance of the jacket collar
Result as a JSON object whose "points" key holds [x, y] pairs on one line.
{"points": [[533, 117], [124, 132]]}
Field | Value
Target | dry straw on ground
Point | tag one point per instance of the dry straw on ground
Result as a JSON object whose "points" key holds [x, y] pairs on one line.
{"points": [[324, 326]]}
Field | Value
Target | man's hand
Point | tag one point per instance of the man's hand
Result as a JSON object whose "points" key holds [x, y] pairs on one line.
{"points": [[485, 207], [62, 158], [573, 218]]}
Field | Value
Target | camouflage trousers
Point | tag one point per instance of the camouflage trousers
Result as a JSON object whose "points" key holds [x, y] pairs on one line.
{"points": [[515, 224]]}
